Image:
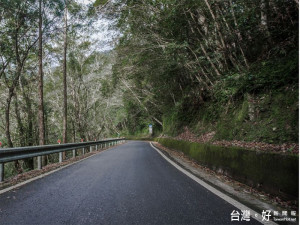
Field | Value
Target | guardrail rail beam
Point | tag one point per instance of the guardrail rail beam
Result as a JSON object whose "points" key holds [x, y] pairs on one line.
{"points": [[20, 153]]}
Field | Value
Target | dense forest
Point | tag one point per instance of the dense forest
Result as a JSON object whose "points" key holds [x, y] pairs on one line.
{"points": [[227, 68], [50, 74]]}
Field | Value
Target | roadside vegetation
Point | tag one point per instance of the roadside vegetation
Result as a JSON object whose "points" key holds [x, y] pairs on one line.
{"points": [[227, 67], [51, 73], [224, 70]]}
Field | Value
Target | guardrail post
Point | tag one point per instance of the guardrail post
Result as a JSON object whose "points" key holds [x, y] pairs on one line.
{"points": [[39, 162], [96, 147], [1, 172], [91, 148], [60, 157], [83, 151]]}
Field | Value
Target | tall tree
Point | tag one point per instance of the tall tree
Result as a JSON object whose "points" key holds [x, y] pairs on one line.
{"points": [[65, 112], [18, 36], [41, 98], [176, 54]]}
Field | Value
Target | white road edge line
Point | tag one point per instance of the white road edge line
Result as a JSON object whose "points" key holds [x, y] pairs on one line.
{"points": [[46, 174], [233, 202]]}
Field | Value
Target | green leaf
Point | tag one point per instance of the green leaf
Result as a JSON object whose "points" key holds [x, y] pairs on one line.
{"points": [[100, 2]]}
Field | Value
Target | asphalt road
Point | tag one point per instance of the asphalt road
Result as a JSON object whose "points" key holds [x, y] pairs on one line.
{"points": [[128, 184]]}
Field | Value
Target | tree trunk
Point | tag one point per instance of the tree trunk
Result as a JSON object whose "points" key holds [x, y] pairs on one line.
{"points": [[41, 86], [29, 131], [21, 134], [65, 138], [264, 20], [222, 39], [29, 162], [7, 118], [240, 39], [7, 126], [19, 123]]}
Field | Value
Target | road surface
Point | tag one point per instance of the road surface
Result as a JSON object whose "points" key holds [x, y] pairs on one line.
{"points": [[128, 184]]}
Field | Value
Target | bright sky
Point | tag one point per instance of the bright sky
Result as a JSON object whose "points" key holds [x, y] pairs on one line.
{"points": [[103, 35]]}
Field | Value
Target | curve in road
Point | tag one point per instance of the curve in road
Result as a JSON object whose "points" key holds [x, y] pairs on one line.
{"points": [[128, 184]]}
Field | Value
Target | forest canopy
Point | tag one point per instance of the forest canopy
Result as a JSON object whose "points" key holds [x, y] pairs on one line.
{"points": [[228, 67], [214, 66]]}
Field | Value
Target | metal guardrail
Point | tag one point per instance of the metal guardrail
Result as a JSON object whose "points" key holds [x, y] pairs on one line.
{"points": [[13, 154]]}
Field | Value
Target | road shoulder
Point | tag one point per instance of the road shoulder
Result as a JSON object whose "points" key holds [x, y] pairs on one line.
{"points": [[242, 193]]}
